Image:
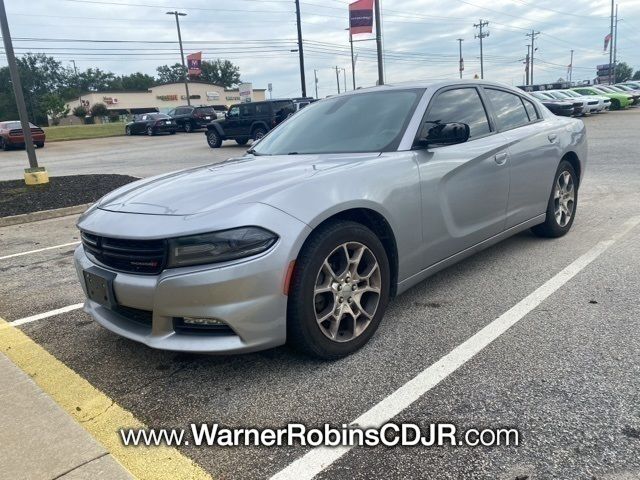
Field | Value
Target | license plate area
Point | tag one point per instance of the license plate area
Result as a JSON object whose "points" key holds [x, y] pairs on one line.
{"points": [[99, 285]]}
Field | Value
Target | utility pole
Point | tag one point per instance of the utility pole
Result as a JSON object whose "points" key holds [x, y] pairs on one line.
{"points": [[22, 108], [344, 75], [337, 79], [526, 63], [571, 67], [611, 48], [315, 77], [533, 36], [481, 35], [303, 81], [461, 62], [379, 42], [615, 48], [184, 66]]}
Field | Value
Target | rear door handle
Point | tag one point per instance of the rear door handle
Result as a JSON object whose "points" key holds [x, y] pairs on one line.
{"points": [[501, 158], [552, 137]]}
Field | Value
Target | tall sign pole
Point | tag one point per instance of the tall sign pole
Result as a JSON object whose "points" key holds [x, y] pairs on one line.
{"points": [[571, 67], [22, 108], [353, 61], [379, 42], [184, 66], [461, 64], [315, 78], [611, 47], [303, 81], [615, 47]]}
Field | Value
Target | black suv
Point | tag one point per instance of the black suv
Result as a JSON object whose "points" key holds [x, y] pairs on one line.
{"points": [[190, 118], [248, 121]]}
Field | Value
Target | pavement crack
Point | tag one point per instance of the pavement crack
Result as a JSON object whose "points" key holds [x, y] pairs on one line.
{"points": [[99, 414]]}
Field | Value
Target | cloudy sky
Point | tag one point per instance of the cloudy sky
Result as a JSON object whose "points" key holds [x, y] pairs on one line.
{"points": [[125, 36]]}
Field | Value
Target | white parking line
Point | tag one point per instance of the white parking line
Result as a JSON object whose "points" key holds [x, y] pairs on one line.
{"points": [[39, 250], [318, 459], [48, 314]]}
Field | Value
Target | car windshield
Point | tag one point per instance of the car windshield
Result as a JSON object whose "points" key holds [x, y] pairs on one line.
{"points": [[361, 122], [558, 95], [542, 96], [569, 93]]}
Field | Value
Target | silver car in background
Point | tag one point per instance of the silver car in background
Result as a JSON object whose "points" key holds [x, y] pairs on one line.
{"points": [[348, 203]]}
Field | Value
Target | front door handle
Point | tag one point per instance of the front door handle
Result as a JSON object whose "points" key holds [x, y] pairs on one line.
{"points": [[501, 158], [552, 137]]}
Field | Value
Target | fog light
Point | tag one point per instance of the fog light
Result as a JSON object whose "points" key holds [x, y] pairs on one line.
{"points": [[202, 321]]}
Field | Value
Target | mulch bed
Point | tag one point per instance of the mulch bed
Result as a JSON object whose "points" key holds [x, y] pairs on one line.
{"points": [[16, 198]]}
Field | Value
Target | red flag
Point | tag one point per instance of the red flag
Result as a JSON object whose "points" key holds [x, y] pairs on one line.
{"points": [[607, 39], [361, 17], [194, 63]]}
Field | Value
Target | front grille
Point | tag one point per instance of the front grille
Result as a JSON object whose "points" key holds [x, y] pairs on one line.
{"points": [[593, 103], [135, 256], [141, 317]]}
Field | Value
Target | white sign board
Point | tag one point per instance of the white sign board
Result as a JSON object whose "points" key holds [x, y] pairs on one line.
{"points": [[246, 92], [213, 96]]}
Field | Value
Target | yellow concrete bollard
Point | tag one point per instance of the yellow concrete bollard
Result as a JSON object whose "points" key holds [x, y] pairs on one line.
{"points": [[36, 176]]}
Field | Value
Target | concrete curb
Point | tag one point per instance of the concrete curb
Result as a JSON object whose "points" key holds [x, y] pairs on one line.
{"points": [[43, 215]]}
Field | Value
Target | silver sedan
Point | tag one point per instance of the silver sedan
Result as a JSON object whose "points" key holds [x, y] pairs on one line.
{"points": [[348, 203]]}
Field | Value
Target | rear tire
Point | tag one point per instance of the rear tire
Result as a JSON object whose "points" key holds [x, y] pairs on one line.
{"points": [[172, 132], [242, 141], [342, 276], [40, 144], [150, 131], [258, 133], [4, 145], [563, 202], [213, 139], [127, 130]]}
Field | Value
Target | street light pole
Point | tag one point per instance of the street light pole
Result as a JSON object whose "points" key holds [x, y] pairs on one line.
{"points": [[353, 60], [611, 47], [184, 67], [17, 90], [315, 77], [337, 79]]}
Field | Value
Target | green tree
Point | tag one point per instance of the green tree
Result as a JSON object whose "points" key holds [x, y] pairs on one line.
{"points": [[170, 74], [99, 110], [623, 72], [137, 81], [55, 107], [636, 76], [95, 80], [220, 72]]}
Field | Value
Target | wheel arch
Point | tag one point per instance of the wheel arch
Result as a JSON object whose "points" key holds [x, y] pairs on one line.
{"points": [[573, 159], [378, 224], [257, 124]]}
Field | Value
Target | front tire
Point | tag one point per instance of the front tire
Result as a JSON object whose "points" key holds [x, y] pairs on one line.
{"points": [[188, 128], [150, 131], [127, 131], [4, 145], [40, 144], [563, 201], [339, 291], [213, 139]]}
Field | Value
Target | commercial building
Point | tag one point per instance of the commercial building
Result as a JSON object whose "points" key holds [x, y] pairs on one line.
{"points": [[162, 98]]}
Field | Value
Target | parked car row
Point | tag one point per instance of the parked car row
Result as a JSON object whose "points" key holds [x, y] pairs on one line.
{"points": [[590, 99]]}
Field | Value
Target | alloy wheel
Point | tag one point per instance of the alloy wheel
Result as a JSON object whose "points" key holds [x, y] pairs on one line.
{"points": [[564, 198], [347, 291]]}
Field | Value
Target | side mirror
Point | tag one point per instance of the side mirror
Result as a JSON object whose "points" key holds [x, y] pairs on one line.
{"points": [[433, 133]]}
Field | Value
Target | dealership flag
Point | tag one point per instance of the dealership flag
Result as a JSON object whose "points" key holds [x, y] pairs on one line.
{"points": [[194, 62], [607, 39], [361, 17]]}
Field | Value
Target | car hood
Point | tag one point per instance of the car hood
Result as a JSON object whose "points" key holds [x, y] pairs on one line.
{"points": [[235, 181]]}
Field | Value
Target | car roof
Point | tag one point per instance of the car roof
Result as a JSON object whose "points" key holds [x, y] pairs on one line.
{"points": [[434, 85]]}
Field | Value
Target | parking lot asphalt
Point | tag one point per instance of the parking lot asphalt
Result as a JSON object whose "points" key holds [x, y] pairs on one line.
{"points": [[138, 155], [566, 375]]}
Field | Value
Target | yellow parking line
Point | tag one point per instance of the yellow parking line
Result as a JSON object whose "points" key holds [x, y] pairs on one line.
{"points": [[96, 412]]}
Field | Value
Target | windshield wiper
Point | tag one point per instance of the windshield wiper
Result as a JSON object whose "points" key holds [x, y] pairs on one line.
{"points": [[253, 152]]}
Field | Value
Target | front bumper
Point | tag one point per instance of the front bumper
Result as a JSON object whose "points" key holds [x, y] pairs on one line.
{"points": [[247, 295]]}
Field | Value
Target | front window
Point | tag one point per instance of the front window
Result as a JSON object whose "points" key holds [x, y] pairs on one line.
{"points": [[460, 105], [361, 122], [234, 111]]}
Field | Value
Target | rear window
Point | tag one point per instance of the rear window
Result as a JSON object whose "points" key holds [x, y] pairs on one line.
{"points": [[206, 110], [509, 110], [14, 125]]}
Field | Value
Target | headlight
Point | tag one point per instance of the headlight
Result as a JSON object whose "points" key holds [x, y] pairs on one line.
{"points": [[219, 246]]}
